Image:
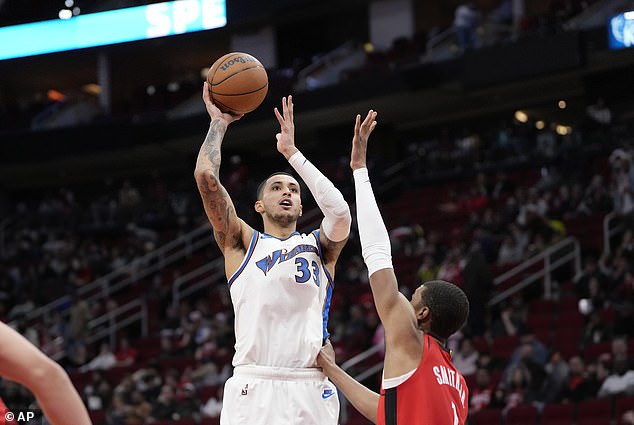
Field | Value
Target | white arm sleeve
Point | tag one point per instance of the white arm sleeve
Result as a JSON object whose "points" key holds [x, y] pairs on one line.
{"points": [[375, 241], [337, 218]]}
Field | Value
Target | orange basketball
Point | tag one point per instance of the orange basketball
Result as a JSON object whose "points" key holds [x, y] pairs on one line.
{"points": [[238, 83]]}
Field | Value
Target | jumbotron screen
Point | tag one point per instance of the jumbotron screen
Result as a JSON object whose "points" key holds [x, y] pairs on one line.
{"points": [[621, 30], [112, 27]]}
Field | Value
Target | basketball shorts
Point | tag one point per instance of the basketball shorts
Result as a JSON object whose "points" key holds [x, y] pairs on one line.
{"points": [[260, 395]]}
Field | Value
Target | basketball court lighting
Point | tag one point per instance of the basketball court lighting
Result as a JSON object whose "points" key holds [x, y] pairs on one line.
{"points": [[65, 14], [521, 116]]}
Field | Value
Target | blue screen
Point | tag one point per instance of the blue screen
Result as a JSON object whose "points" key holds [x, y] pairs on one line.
{"points": [[111, 27], [621, 31]]}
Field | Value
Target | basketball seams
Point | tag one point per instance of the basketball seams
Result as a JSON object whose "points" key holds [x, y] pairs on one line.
{"points": [[218, 67], [222, 104], [241, 94], [233, 75], [235, 110]]}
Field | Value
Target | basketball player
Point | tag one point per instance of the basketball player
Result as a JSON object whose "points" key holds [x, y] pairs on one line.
{"points": [[22, 362], [420, 384], [280, 283]]}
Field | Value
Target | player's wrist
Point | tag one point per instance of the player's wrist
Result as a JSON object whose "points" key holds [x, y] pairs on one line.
{"points": [[360, 172], [358, 166], [290, 153], [219, 121], [294, 155]]}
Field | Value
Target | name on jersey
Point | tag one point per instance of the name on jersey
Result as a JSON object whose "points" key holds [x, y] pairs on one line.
{"points": [[281, 255], [449, 377]]}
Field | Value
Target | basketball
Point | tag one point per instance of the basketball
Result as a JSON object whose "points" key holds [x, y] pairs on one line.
{"points": [[238, 83]]}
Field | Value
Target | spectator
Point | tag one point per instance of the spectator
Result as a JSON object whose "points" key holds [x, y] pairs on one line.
{"points": [[619, 382], [465, 24], [557, 372], [148, 382], [427, 270], [104, 360], [125, 355], [189, 406], [141, 408], [481, 395], [514, 393], [465, 360], [80, 315], [477, 286], [512, 318], [578, 386], [165, 408], [451, 268], [213, 406], [97, 393], [510, 252], [590, 270], [595, 331], [623, 185], [620, 352], [78, 356], [208, 374]]}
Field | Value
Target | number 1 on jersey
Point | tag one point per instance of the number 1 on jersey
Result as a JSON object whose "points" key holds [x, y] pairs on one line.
{"points": [[456, 421]]}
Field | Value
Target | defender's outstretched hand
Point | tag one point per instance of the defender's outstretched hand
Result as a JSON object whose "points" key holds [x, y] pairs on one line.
{"points": [[286, 136], [214, 112], [362, 131], [326, 356]]}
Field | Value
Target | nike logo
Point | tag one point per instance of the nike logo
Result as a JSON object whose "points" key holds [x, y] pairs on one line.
{"points": [[327, 394]]}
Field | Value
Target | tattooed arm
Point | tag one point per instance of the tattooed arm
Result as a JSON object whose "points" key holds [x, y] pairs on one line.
{"points": [[231, 233]]}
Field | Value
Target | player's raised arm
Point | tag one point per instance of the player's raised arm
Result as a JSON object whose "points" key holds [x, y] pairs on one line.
{"points": [[394, 309], [218, 205], [335, 228], [22, 362]]}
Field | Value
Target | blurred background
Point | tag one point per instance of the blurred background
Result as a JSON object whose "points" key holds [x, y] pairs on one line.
{"points": [[502, 163]]}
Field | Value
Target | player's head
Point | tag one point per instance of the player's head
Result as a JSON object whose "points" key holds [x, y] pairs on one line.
{"points": [[279, 198], [441, 308]]}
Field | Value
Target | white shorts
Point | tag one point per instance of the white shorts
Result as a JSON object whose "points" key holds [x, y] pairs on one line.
{"points": [[259, 395]]}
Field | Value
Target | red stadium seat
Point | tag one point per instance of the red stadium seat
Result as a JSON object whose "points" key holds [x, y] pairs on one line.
{"points": [[486, 417], [556, 414], [503, 346], [521, 415], [592, 352], [98, 417], [594, 412]]}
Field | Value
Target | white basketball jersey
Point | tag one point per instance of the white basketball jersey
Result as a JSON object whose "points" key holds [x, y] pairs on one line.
{"points": [[281, 297]]}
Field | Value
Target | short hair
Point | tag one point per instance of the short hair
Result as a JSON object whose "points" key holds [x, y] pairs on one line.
{"points": [[449, 307], [263, 183]]}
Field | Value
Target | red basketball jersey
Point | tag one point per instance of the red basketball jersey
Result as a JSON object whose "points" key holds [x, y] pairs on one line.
{"points": [[436, 394]]}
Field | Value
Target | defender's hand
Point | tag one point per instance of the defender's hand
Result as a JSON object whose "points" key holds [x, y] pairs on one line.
{"points": [[286, 136], [362, 131], [326, 356]]}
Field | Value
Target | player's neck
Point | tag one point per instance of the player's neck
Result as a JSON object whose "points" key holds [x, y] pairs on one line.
{"points": [[443, 342], [279, 231]]}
